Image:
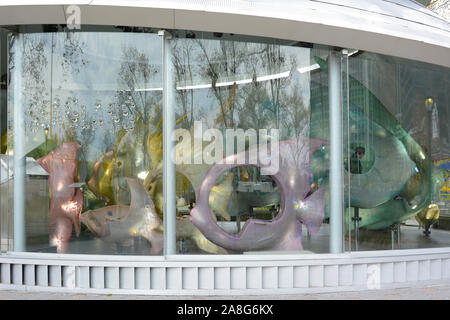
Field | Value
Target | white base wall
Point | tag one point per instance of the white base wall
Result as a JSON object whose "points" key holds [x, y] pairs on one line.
{"points": [[224, 275]]}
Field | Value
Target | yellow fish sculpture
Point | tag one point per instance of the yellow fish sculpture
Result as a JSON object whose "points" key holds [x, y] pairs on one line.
{"points": [[427, 217], [138, 153]]}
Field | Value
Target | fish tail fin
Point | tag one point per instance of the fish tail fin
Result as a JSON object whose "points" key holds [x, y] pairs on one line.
{"points": [[157, 241]]}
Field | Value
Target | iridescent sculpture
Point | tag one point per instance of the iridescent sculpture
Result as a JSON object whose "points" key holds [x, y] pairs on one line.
{"points": [[220, 196], [404, 206], [119, 224], [94, 182], [186, 230], [391, 168], [4, 142], [396, 186], [66, 203], [131, 159], [293, 177], [427, 217], [139, 151]]}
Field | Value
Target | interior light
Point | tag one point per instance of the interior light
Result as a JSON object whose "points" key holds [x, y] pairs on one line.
{"points": [[429, 103], [309, 68], [227, 83]]}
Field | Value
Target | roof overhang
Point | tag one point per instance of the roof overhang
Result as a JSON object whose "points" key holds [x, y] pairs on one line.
{"points": [[404, 31]]}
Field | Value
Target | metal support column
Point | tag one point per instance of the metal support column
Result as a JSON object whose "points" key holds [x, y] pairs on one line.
{"points": [[19, 149], [336, 155], [169, 182], [356, 219], [429, 162], [395, 229], [5, 233]]}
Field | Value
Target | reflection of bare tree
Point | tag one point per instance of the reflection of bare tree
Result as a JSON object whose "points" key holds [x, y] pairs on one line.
{"points": [[294, 115], [72, 53], [260, 104], [38, 68], [136, 73], [256, 111], [277, 102], [34, 64], [35, 86], [224, 62], [183, 65], [66, 52], [274, 62]]}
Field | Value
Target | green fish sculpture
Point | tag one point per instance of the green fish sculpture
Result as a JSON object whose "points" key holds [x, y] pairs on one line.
{"points": [[394, 187]]}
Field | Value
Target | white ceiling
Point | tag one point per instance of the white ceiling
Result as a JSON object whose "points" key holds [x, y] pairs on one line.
{"points": [[395, 27]]}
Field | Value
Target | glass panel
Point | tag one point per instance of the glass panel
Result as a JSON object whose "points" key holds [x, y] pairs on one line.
{"points": [[90, 103], [398, 136], [349, 219], [248, 158], [82, 148], [5, 222]]}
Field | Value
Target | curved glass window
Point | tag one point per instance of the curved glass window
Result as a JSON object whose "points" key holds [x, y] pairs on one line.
{"points": [[89, 118], [78, 122]]}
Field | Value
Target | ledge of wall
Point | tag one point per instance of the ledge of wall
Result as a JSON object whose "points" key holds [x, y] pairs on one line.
{"points": [[221, 275]]}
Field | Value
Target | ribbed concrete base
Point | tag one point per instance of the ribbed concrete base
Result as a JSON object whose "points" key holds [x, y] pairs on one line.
{"points": [[224, 275]]}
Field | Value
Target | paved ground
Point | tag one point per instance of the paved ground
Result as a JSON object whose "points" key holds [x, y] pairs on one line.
{"points": [[436, 292]]}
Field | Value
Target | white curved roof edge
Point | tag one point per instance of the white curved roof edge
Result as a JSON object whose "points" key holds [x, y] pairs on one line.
{"points": [[393, 27]]}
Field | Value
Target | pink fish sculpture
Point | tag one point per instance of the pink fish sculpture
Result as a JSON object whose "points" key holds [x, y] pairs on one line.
{"points": [[66, 203], [298, 205], [118, 224]]}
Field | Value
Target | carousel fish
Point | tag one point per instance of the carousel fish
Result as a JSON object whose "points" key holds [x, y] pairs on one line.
{"points": [[427, 217], [101, 186], [186, 230], [66, 202], [94, 183], [409, 203], [394, 188], [120, 223], [4, 142], [140, 151], [220, 197], [298, 207], [131, 158]]}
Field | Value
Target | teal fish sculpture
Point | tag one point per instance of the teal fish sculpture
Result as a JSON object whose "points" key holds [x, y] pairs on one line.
{"points": [[394, 186]]}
